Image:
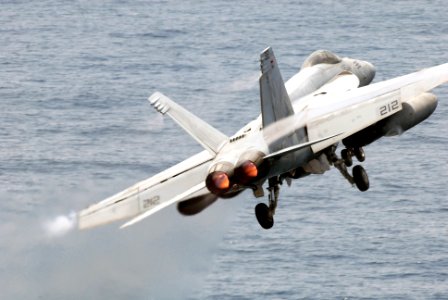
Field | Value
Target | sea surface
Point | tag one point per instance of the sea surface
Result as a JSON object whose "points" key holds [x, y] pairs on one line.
{"points": [[75, 128]]}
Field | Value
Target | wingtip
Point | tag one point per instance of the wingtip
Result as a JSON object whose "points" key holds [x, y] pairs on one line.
{"points": [[267, 51], [154, 97], [125, 225], [159, 102]]}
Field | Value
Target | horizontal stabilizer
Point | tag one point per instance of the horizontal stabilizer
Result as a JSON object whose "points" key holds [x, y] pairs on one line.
{"points": [[205, 134]]}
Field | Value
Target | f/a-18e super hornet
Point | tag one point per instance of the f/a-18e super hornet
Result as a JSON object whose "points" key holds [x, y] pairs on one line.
{"points": [[329, 103]]}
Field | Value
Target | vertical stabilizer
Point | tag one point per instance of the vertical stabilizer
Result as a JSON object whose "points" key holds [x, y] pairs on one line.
{"points": [[275, 102]]}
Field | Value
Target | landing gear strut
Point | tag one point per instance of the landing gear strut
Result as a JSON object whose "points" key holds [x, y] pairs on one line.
{"points": [[265, 213], [359, 177]]}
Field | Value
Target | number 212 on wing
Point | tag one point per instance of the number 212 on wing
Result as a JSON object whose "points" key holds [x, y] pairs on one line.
{"points": [[385, 109]]}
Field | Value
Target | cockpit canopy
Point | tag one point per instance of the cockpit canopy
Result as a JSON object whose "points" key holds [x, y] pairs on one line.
{"points": [[321, 57]]}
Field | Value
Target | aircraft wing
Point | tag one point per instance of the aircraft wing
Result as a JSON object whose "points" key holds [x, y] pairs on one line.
{"points": [[180, 182], [357, 109], [341, 115]]}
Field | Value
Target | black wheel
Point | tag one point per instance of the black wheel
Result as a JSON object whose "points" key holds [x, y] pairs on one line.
{"points": [[360, 155], [264, 216], [346, 156], [361, 178]]}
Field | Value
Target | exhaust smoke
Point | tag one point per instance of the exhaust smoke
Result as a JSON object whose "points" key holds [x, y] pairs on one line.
{"points": [[60, 225]]}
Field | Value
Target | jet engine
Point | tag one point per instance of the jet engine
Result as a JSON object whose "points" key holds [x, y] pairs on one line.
{"points": [[219, 179], [223, 176], [413, 112]]}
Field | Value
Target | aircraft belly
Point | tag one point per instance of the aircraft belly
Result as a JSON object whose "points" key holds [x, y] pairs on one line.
{"points": [[318, 165], [290, 162]]}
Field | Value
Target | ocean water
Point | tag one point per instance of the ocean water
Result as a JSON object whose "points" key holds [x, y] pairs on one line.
{"points": [[75, 127]]}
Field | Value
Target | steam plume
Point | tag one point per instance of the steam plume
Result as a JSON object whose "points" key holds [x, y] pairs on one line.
{"points": [[60, 225]]}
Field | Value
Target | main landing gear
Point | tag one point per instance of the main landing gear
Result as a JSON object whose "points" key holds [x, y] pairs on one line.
{"points": [[359, 175], [265, 213]]}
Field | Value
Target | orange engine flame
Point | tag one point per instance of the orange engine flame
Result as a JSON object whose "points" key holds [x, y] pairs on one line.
{"points": [[249, 169], [218, 182], [246, 172], [221, 180]]}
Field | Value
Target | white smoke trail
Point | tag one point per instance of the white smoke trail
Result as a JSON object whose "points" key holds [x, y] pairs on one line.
{"points": [[245, 83], [156, 123], [60, 225]]}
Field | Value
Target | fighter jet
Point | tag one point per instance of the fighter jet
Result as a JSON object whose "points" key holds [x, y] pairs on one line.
{"points": [[328, 105]]}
